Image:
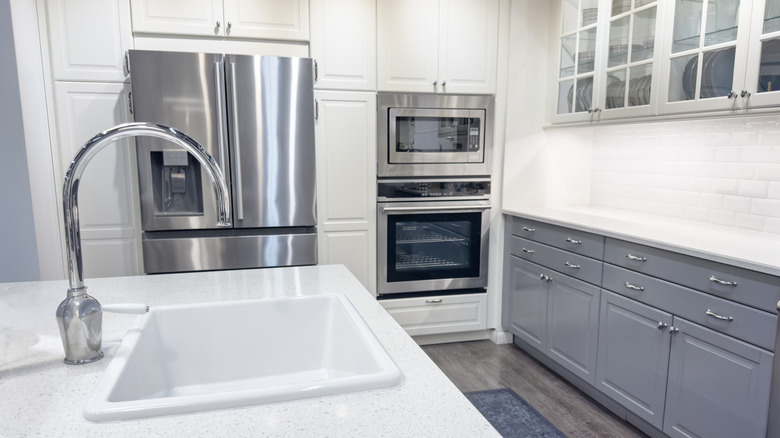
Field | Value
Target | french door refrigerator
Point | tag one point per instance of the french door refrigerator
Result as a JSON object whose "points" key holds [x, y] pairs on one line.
{"points": [[255, 116]]}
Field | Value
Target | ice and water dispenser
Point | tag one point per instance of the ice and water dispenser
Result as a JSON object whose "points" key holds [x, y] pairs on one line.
{"points": [[176, 179]]}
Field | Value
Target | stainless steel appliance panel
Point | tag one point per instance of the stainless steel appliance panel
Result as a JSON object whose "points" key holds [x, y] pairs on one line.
{"points": [[438, 278], [271, 131], [163, 85], [412, 164], [175, 252]]}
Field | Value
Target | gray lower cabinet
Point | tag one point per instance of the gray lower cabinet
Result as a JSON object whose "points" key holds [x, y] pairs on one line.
{"points": [[633, 356], [718, 386], [557, 314]]}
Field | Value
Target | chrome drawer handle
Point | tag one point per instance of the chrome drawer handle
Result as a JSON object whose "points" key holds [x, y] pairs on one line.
{"points": [[530, 230], [575, 242], [436, 301], [545, 277], [529, 251], [712, 314], [635, 258], [632, 287], [662, 325], [569, 265], [723, 282], [673, 330]]}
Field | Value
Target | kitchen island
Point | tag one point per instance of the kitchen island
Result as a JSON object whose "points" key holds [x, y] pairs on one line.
{"points": [[41, 396]]}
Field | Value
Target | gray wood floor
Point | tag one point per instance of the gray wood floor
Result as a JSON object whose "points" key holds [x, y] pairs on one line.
{"points": [[479, 365]]}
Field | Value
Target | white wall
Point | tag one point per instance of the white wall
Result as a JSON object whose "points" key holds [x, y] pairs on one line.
{"points": [[18, 255]]}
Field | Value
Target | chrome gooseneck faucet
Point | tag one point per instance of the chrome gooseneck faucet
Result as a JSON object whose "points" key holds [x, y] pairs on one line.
{"points": [[80, 316]]}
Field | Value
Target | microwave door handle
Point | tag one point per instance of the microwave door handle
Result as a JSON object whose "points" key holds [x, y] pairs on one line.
{"points": [[236, 143], [437, 208]]}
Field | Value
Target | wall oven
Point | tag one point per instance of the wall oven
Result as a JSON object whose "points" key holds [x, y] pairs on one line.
{"points": [[432, 235], [433, 135]]}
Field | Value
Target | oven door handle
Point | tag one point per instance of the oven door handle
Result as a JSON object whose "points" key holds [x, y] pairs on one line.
{"points": [[437, 208]]}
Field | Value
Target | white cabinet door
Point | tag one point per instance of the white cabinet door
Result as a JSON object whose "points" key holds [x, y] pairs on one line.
{"points": [[180, 17], [343, 44], [267, 19], [107, 194], [345, 134], [407, 45], [88, 39], [468, 46]]}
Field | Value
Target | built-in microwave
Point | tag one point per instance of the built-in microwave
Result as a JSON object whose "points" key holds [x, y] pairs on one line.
{"points": [[433, 135]]}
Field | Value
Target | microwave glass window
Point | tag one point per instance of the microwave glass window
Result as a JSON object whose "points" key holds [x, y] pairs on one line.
{"points": [[437, 134], [432, 246]]}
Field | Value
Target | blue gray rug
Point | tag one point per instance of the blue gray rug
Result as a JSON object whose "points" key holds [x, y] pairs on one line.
{"points": [[511, 415]]}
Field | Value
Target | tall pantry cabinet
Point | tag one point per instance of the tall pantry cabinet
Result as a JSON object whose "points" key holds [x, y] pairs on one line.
{"points": [[87, 91]]}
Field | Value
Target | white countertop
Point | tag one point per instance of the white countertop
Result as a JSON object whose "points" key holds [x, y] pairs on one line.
{"points": [[41, 396], [746, 249]]}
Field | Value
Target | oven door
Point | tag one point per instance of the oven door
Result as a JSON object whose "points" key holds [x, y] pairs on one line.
{"points": [[432, 246]]}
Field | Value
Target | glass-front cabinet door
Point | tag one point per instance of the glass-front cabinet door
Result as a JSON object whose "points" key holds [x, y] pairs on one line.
{"points": [[762, 79], [576, 85], [705, 54], [631, 76]]}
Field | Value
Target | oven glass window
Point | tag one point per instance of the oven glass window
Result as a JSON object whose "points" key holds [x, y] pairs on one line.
{"points": [[433, 246], [437, 134]]}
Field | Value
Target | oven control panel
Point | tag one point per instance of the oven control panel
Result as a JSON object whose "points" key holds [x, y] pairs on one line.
{"points": [[440, 189]]}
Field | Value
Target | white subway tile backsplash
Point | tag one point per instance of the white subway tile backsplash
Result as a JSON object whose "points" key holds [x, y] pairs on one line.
{"points": [[753, 189], [721, 171]]}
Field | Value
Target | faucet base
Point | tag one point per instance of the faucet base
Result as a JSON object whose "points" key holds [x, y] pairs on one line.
{"points": [[80, 319], [83, 361]]}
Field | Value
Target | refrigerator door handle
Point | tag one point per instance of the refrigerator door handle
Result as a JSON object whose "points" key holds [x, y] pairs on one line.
{"points": [[239, 200], [218, 81]]}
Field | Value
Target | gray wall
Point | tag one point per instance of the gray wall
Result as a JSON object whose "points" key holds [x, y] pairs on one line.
{"points": [[18, 254]]}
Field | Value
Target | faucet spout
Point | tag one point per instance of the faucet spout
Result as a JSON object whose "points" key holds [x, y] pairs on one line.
{"points": [[79, 316]]}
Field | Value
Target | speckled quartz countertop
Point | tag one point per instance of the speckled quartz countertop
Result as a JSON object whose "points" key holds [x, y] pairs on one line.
{"points": [[41, 396], [746, 249]]}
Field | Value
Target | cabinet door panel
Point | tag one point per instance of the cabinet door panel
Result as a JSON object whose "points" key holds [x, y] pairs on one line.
{"points": [[179, 17], [468, 45], [633, 356], [350, 248], [107, 196], [572, 325], [268, 19], [407, 45], [343, 43], [528, 302], [76, 54], [718, 386]]}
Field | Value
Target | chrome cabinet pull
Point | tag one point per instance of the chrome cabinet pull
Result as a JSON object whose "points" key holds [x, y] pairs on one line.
{"points": [[712, 314], [731, 95], [673, 330], [546, 278], [569, 265], [219, 24], [443, 83], [632, 287], [530, 230], [744, 94], [635, 258], [662, 325], [435, 83], [435, 301], [723, 282], [575, 242], [529, 251]]}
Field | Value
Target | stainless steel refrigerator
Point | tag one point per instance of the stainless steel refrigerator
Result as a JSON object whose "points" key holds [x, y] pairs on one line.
{"points": [[255, 116]]}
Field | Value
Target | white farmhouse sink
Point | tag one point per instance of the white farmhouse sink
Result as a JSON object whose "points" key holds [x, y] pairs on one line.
{"points": [[199, 357]]}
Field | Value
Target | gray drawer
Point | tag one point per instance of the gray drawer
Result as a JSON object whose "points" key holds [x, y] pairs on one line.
{"points": [[577, 266], [579, 242], [752, 288], [754, 326]]}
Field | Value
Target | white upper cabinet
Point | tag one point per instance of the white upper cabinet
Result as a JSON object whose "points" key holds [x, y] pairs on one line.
{"points": [[263, 19], [762, 76], [442, 46], [607, 65], [76, 53], [343, 44], [705, 55]]}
